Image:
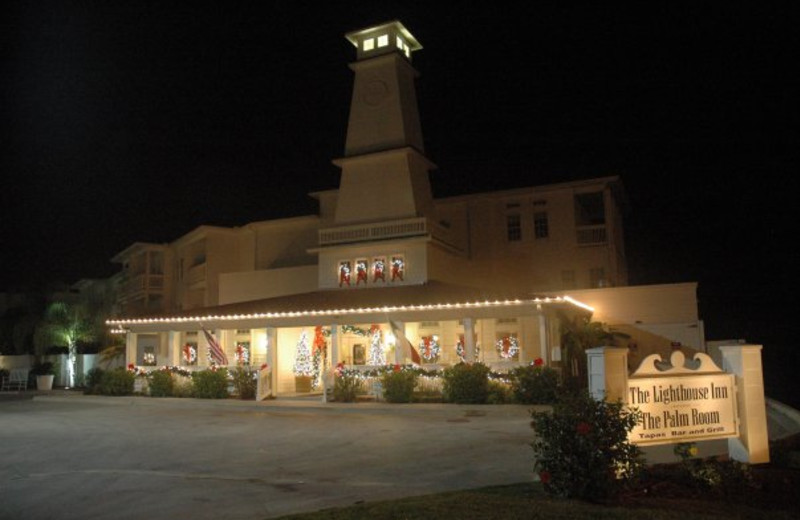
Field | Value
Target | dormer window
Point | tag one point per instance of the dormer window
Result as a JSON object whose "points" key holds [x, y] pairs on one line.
{"points": [[369, 44], [383, 40]]}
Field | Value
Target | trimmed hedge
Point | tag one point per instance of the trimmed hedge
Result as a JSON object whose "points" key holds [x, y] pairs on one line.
{"points": [[466, 383], [398, 386], [211, 384]]}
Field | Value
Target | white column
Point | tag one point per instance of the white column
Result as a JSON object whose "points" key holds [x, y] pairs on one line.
{"points": [[544, 344], [400, 350], [752, 445], [327, 371], [334, 345], [272, 357], [174, 348], [608, 373], [469, 340], [130, 349]]}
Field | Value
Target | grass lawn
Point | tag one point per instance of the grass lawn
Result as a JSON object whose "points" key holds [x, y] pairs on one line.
{"points": [[774, 494]]}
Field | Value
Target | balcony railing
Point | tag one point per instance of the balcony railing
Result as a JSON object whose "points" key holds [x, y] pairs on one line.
{"points": [[591, 235], [367, 232], [196, 274], [142, 284]]}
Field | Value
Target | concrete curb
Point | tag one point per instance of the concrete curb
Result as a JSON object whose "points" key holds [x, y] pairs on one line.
{"points": [[294, 406]]}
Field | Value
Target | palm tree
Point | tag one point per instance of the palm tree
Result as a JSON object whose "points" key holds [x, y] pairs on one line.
{"points": [[578, 334], [68, 324]]}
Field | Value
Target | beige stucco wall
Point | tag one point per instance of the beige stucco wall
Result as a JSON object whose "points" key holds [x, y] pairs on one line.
{"points": [[257, 285], [537, 263], [654, 316]]}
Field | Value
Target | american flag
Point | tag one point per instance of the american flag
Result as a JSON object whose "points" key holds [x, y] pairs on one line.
{"points": [[402, 342], [216, 350]]}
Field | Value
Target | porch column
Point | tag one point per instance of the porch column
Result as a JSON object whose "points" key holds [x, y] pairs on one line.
{"points": [[469, 340], [327, 369], [544, 342], [399, 348], [130, 349], [272, 358], [174, 348]]}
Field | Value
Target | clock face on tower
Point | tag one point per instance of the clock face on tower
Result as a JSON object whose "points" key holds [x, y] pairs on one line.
{"points": [[375, 92]]}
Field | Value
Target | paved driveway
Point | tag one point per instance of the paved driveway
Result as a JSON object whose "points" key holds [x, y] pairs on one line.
{"points": [[87, 457]]}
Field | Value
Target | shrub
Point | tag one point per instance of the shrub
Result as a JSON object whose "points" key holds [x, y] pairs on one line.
{"points": [[182, 386], [117, 382], [398, 385], [725, 477], [211, 383], [534, 384], [245, 381], [93, 380], [466, 383], [582, 449], [160, 383], [346, 385], [499, 393]]}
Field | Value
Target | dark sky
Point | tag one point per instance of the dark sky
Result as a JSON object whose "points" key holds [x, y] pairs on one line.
{"points": [[138, 121]]}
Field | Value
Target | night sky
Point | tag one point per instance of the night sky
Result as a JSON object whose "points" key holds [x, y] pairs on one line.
{"points": [[138, 121]]}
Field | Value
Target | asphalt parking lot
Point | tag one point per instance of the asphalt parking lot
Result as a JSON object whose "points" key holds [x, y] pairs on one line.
{"points": [[87, 457]]}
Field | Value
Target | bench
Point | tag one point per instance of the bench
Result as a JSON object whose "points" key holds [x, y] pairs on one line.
{"points": [[16, 380]]}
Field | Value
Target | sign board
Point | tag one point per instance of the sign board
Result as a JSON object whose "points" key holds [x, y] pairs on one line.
{"points": [[682, 404], [683, 408]]}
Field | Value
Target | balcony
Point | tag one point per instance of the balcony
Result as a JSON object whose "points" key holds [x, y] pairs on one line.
{"points": [[591, 235], [196, 275], [137, 286], [374, 231]]}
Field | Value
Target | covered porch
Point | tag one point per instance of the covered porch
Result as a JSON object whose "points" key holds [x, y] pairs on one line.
{"points": [[309, 334]]}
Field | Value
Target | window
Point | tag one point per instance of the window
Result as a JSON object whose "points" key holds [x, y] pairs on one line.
{"points": [[590, 209], [429, 324], [597, 277], [398, 268], [369, 44], [344, 273], [513, 228], [540, 225], [568, 279], [383, 41]]}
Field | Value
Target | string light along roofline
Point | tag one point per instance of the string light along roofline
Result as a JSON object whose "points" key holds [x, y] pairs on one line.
{"points": [[364, 310]]}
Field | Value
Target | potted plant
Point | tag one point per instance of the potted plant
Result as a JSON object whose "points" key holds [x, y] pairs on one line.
{"points": [[45, 372]]}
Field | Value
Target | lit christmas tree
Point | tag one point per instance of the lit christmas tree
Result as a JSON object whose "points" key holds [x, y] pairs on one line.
{"points": [[303, 365], [377, 356]]}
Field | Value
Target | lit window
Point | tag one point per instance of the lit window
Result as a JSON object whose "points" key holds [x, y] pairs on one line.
{"points": [[361, 271], [513, 228], [379, 269], [399, 42], [398, 268], [344, 273], [408, 52], [369, 44], [540, 226], [383, 41]]}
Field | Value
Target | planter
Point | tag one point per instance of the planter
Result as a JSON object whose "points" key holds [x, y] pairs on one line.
{"points": [[302, 384], [45, 382]]}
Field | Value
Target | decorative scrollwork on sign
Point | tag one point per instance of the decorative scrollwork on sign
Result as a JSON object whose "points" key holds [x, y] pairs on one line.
{"points": [[677, 364]]}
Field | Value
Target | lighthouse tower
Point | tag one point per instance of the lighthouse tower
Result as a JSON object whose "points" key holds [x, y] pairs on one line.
{"points": [[381, 224]]}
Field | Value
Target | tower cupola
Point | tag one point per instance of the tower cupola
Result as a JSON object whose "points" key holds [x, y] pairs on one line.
{"points": [[383, 39]]}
